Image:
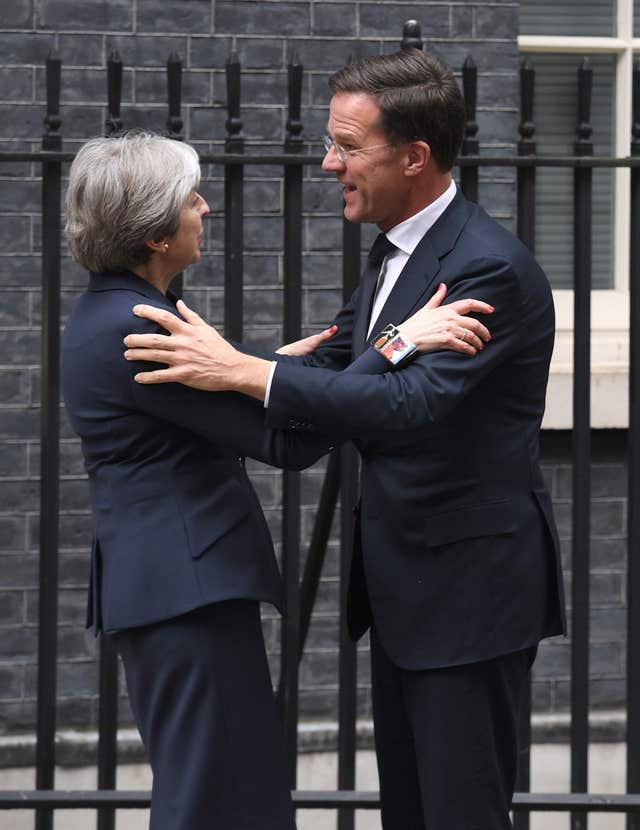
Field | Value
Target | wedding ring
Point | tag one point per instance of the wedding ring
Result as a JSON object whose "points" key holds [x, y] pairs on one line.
{"points": [[463, 336]]}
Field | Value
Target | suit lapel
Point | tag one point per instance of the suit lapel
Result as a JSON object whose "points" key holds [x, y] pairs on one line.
{"points": [[416, 282]]}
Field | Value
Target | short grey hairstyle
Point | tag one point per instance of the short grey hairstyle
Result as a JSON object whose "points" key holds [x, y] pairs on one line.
{"points": [[124, 192]]}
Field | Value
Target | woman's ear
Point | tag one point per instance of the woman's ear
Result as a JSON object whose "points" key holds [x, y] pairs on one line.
{"points": [[158, 246], [418, 157]]}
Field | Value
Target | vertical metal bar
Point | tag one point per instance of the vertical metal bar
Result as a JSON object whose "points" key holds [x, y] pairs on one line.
{"points": [[113, 123], [174, 127], [633, 573], [107, 728], [581, 449], [347, 660], [174, 88], [318, 546], [470, 145], [233, 207], [108, 660], [292, 328], [411, 35], [526, 232], [49, 445]]}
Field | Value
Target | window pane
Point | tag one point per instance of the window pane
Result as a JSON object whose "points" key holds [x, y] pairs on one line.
{"points": [[636, 18], [596, 18], [555, 117]]}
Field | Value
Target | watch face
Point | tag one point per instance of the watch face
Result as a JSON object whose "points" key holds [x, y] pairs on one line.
{"points": [[397, 349]]}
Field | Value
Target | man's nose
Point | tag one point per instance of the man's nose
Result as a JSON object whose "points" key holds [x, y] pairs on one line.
{"points": [[204, 209], [331, 162]]}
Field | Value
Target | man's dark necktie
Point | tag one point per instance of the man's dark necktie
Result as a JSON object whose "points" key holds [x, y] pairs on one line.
{"points": [[381, 248]]}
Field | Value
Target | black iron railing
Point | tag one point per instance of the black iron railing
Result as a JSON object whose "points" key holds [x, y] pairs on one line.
{"points": [[341, 472]]}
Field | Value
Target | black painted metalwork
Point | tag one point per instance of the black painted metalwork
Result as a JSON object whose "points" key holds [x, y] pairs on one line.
{"points": [[113, 123], [49, 445], [411, 35], [174, 127], [581, 448], [233, 207], [526, 232], [310, 799], [633, 452], [470, 144], [342, 471], [349, 473], [292, 330], [318, 546], [107, 657], [107, 727], [174, 88]]}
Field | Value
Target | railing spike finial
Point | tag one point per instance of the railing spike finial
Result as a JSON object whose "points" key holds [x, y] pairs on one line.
{"points": [[411, 35], [470, 145], [233, 124], [113, 123], [635, 118], [52, 120], [174, 86], [583, 145], [526, 128], [293, 140]]}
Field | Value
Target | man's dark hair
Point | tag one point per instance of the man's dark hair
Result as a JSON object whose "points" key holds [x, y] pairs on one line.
{"points": [[419, 99]]}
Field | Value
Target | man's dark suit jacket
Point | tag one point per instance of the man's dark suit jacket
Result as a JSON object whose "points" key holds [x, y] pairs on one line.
{"points": [[177, 523], [458, 542]]}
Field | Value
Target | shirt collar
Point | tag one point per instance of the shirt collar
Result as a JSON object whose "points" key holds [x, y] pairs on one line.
{"points": [[407, 234]]}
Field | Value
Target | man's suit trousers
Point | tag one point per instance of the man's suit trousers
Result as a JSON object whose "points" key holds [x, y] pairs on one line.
{"points": [[447, 741], [201, 696]]}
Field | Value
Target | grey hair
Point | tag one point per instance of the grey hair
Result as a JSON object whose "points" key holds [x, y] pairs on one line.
{"points": [[124, 192]]}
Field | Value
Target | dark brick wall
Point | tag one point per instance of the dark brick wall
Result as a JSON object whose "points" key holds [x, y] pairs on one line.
{"points": [[202, 32]]}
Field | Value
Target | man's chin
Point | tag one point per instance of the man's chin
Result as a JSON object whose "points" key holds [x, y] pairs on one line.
{"points": [[352, 214]]}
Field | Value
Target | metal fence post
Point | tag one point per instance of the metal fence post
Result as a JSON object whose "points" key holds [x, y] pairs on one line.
{"points": [[347, 658], [292, 328], [470, 144], [108, 657], [113, 123], [233, 208], [526, 232], [581, 449], [49, 446]]}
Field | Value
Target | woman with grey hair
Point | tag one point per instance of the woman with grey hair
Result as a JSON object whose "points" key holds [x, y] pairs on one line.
{"points": [[181, 553]]}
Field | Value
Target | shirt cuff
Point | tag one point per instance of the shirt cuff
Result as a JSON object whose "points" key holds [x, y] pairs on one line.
{"points": [[267, 393]]}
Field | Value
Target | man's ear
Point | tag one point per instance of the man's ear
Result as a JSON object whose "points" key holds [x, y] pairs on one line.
{"points": [[418, 157]]}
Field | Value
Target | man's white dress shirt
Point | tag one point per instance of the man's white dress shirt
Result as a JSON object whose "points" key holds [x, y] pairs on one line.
{"points": [[405, 236]]}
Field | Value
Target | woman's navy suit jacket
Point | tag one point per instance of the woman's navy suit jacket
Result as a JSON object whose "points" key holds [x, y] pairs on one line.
{"points": [[177, 522]]}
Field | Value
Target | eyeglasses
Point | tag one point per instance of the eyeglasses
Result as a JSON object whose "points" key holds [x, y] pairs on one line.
{"points": [[341, 154]]}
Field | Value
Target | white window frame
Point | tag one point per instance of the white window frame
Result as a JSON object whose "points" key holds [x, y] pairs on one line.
{"points": [[609, 308]]}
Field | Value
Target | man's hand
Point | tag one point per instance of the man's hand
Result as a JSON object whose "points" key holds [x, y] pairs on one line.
{"points": [[308, 344], [195, 353], [436, 326]]}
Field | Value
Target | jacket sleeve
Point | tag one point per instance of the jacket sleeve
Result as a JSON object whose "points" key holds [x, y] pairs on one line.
{"points": [[357, 403], [227, 419]]}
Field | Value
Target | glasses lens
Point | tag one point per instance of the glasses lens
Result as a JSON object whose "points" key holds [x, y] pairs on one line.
{"points": [[328, 142]]}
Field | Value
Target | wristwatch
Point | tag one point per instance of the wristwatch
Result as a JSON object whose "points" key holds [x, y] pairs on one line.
{"points": [[394, 346]]}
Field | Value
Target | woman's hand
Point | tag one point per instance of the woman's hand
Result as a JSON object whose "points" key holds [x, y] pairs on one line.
{"points": [[436, 326], [308, 344]]}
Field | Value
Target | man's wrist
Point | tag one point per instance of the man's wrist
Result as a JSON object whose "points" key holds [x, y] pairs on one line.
{"points": [[250, 375], [393, 345]]}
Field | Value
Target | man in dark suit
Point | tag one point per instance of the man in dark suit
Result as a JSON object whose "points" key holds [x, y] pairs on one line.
{"points": [[457, 572]]}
